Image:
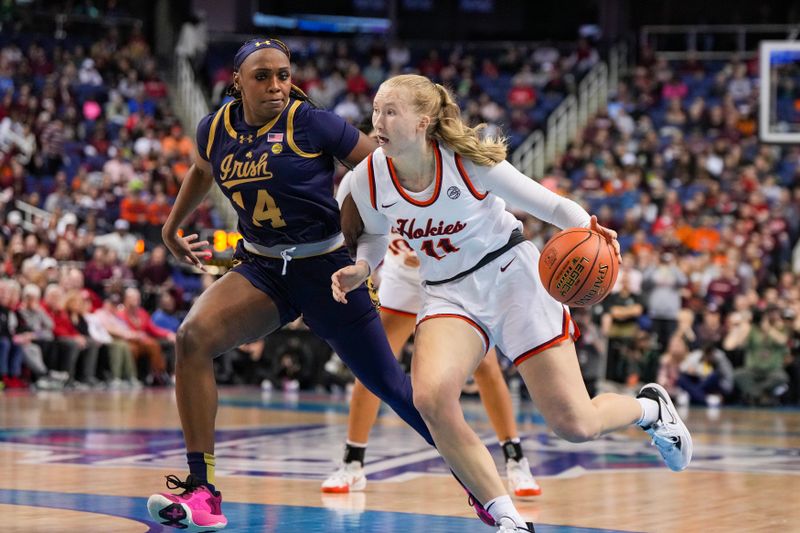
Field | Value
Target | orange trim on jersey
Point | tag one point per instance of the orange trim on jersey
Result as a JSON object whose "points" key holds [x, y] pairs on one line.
{"points": [[437, 155], [397, 311], [371, 172], [467, 180], [465, 319], [564, 335]]}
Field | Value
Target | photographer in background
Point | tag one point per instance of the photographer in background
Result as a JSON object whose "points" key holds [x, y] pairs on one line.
{"points": [[765, 340]]}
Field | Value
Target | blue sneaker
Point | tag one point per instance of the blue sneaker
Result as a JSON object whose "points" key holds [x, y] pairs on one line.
{"points": [[669, 433]]}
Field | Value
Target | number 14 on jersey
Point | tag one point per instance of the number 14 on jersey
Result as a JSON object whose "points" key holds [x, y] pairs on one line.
{"points": [[265, 209]]}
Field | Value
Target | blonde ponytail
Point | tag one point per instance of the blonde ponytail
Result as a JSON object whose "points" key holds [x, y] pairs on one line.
{"points": [[447, 126]]}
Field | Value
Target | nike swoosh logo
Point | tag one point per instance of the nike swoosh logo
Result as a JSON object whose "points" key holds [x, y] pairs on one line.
{"points": [[503, 268], [673, 420], [388, 205]]}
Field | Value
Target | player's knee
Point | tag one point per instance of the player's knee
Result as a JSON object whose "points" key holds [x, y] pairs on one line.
{"points": [[575, 428], [431, 406], [189, 339]]}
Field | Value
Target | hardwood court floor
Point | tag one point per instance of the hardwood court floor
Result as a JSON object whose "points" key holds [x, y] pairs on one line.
{"points": [[86, 461]]}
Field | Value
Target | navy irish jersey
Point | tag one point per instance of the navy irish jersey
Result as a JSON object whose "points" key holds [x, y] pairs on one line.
{"points": [[279, 177]]}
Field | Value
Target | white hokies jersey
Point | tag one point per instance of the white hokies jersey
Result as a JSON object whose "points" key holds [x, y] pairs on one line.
{"points": [[451, 225], [394, 260]]}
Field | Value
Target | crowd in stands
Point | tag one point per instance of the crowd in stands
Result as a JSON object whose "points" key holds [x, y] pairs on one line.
{"points": [[88, 136], [512, 89], [707, 301], [91, 158]]}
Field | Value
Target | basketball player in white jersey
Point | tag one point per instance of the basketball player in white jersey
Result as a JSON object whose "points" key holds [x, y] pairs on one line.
{"points": [[400, 294], [442, 187]]}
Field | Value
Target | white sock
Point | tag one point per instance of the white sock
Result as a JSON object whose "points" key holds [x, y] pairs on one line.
{"points": [[503, 506], [650, 412]]}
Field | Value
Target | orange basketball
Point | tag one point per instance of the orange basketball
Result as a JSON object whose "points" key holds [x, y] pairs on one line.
{"points": [[578, 267]]}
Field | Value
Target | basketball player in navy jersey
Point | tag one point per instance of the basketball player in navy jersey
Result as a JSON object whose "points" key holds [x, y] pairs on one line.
{"points": [[272, 154]]}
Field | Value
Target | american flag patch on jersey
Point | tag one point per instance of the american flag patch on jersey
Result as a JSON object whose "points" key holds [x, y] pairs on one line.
{"points": [[274, 137]]}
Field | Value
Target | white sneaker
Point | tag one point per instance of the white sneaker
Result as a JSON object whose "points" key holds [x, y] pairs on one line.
{"points": [[520, 479], [507, 525], [683, 398], [713, 400], [59, 375], [669, 433], [349, 477]]}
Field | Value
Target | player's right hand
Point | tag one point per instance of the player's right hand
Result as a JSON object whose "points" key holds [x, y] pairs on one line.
{"points": [[352, 224], [348, 278], [188, 249]]}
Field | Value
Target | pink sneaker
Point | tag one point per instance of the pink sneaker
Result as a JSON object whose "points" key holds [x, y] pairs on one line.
{"points": [[482, 513], [195, 510]]}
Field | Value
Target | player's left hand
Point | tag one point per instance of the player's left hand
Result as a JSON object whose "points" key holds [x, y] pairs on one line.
{"points": [[348, 278], [609, 234]]}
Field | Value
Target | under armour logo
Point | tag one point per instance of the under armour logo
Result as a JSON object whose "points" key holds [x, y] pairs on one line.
{"points": [[245, 139], [261, 43]]}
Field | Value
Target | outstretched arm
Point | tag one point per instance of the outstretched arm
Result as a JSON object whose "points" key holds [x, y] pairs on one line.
{"points": [[352, 224], [195, 186], [518, 189], [370, 243]]}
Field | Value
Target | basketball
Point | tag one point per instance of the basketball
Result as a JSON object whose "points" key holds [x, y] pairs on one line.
{"points": [[578, 267]]}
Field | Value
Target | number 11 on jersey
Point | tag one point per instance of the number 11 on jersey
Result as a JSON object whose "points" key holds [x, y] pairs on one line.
{"points": [[444, 244]]}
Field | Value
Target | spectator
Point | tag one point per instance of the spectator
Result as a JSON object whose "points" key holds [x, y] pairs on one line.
{"points": [[722, 289], [133, 207], [669, 368], [140, 321], [192, 41], [348, 109], [165, 316], [98, 269], [621, 325], [176, 143], [40, 352], [88, 74], [662, 284], [521, 96], [70, 344], [11, 355], [120, 241], [707, 376], [76, 305], [710, 331], [142, 349], [765, 341], [120, 358], [374, 73]]}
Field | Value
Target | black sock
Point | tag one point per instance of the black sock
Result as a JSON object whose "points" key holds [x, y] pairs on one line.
{"points": [[512, 449], [201, 466], [354, 453]]}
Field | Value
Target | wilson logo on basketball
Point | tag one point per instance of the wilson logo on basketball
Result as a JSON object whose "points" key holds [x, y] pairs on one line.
{"points": [[597, 289], [571, 274]]}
